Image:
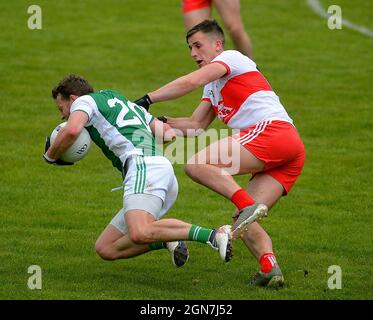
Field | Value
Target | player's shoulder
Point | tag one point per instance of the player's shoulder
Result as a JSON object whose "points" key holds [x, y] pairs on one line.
{"points": [[83, 100], [236, 60], [104, 95], [84, 103], [229, 54], [233, 56]]}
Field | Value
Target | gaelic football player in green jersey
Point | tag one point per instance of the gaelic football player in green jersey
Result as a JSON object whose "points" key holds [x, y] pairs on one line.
{"points": [[126, 132]]}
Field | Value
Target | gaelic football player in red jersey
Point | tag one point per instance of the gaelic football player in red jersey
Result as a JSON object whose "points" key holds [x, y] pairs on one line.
{"points": [[266, 142]]}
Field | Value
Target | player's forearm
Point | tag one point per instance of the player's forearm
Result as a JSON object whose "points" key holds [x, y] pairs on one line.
{"points": [[174, 89], [162, 131], [63, 141], [188, 83], [186, 127]]}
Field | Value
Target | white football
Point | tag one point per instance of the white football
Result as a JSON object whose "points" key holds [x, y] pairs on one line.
{"points": [[79, 149]]}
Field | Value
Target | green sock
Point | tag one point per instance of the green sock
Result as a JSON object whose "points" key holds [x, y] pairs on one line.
{"points": [[199, 234], [157, 246]]}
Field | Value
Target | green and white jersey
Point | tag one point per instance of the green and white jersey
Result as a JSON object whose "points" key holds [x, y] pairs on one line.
{"points": [[118, 126]]}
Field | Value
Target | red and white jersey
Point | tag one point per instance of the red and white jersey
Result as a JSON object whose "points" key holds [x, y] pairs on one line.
{"points": [[243, 97]]}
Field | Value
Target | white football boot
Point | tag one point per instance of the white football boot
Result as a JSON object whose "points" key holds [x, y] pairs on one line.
{"points": [[221, 240], [179, 252]]}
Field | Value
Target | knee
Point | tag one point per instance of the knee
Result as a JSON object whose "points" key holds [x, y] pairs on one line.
{"points": [[105, 251], [139, 237]]}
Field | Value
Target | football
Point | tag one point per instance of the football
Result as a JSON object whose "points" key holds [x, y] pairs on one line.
{"points": [[79, 149]]}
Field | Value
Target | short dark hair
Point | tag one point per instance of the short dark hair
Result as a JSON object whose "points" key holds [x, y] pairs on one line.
{"points": [[72, 84], [207, 26]]}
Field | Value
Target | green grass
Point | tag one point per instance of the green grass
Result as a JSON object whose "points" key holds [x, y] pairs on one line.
{"points": [[52, 216]]}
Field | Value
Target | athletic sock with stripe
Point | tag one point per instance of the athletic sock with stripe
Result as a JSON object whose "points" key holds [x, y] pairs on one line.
{"points": [[242, 199], [267, 262], [199, 234], [157, 245]]}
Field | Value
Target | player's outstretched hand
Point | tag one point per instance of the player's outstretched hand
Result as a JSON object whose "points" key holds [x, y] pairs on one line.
{"points": [[57, 162], [169, 133], [144, 101]]}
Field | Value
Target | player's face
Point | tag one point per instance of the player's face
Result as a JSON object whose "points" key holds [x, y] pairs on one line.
{"points": [[204, 48], [63, 106]]}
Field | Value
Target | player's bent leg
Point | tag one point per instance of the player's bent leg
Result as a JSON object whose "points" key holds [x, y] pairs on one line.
{"points": [[139, 225], [142, 214], [113, 244], [143, 229], [213, 177], [265, 189], [229, 154], [247, 216], [257, 240], [214, 166], [169, 230]]}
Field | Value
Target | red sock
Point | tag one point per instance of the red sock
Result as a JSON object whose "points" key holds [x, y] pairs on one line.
{"points": [[267, 261], [242, 199]]}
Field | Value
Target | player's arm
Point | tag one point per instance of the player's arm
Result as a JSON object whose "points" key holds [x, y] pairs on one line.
{"points": [[196, 123], [162, 131], [185, 84], [67, 135]]}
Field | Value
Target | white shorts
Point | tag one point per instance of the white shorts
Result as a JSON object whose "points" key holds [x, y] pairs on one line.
{"points": [[147, 177]]}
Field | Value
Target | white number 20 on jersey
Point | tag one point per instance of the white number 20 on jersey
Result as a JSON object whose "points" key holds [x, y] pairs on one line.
{"points": [[125, 109]]}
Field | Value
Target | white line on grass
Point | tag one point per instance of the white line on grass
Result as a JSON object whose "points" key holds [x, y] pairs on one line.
{"points": [[318, 9]]}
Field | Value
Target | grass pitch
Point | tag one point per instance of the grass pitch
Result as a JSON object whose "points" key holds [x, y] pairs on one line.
{"points": [[51, 216]]}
